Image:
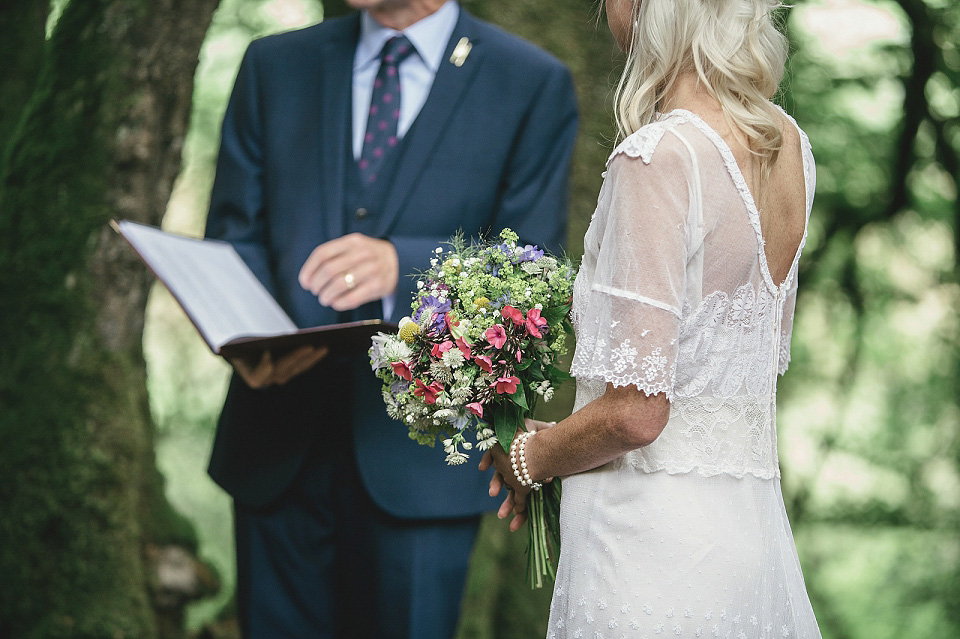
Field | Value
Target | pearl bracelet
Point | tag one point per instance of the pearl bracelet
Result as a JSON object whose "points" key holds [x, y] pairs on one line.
{"points": [[518, 460]]}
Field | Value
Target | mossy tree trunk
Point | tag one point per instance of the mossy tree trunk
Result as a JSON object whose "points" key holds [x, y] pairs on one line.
{"points": [[93, 131]]}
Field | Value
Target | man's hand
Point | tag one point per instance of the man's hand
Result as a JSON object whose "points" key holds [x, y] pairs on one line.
{"points": [[268, 372], [350, 271]]}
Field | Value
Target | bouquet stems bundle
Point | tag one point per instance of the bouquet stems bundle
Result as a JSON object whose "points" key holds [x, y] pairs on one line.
{"points": [[481, 348]]}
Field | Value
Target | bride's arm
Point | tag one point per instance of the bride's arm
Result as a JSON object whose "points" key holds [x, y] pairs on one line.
{"points": [[621, 420]]}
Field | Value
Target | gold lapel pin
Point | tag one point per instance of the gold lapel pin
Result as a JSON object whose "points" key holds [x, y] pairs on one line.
{"points": [[461, 51]]}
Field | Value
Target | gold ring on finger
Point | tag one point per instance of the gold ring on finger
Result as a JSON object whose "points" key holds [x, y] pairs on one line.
{"points": [[350, 280]]}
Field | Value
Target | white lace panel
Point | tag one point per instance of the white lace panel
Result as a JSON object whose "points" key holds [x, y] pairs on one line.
{"points": [[714, 436], [727, 345], [630, 291], [786, 323]]}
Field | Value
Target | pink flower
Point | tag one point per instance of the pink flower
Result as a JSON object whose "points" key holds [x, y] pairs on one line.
{"points": [[484, 363], [428, 393], [506, 385], [535, 322], [439, 349], [476, 408], [402, 369], [496, 336], [512, 314], [464, 347], [519, 356]]}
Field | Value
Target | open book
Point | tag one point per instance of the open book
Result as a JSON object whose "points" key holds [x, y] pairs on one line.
{"points": [[228, 305]]}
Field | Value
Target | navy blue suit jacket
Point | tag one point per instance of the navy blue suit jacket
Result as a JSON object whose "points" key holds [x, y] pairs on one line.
{"points": [[490, 149]]}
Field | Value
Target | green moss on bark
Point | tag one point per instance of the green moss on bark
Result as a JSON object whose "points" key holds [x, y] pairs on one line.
{"points": [[81, 493]]}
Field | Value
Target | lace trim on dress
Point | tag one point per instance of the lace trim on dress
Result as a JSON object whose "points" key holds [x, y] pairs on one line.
{"points": [[650, 371], [643, 142], [704, 471], [731, 337], [784, 358], [633, 459]]}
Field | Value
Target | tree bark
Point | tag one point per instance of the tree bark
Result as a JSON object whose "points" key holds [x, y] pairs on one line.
{"points": [[84, 520]]}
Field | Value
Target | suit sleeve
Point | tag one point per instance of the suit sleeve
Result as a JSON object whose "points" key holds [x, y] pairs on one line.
{"points": [[534, 192], [237, 211]]}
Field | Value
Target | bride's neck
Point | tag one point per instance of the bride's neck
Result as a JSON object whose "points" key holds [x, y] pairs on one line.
{"points": [[688, 93]]}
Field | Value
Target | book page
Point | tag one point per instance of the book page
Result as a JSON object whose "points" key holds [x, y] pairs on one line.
{"points": [[220, 294]]}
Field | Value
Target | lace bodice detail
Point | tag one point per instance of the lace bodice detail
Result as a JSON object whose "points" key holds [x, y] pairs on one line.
{"points": [[674, 296]]}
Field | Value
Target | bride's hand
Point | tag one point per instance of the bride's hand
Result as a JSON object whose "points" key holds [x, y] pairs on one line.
{"points": [[534, 425], [516, 500]]}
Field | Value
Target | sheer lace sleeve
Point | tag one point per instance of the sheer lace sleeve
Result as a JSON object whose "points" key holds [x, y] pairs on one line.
{"points": [[631, 288]]}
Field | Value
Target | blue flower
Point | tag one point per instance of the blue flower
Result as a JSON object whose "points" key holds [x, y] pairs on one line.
{"points": [[530, 253], [431, 307], [504, 248]]}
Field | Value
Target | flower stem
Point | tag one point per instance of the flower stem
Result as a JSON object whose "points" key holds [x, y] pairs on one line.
{"points": [[539, 564]]}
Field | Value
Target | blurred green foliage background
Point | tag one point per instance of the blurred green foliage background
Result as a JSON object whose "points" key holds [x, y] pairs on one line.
{"points": [[869, 418]]}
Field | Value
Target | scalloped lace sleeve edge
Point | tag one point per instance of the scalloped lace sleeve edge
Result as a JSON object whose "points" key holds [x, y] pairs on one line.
{"points": [[642, 142], [648, 388]]}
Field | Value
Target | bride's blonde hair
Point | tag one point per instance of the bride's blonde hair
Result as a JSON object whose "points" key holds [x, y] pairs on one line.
{"points": [[733, 46]]}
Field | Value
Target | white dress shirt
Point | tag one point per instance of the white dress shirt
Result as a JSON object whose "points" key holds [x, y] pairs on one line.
{"points": [[429, 37]]}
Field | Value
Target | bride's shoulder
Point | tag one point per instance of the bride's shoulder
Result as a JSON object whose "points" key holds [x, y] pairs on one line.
{"points": [[791, 131], [643, 142]]}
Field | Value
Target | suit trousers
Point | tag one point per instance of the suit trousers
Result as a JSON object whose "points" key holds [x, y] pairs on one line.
{"points": [[325, 562]]}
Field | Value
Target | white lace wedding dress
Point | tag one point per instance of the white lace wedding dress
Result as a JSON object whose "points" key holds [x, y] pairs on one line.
{"points": [[688, 536]]}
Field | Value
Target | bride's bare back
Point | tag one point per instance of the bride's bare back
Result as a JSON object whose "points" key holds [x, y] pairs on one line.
{"points": [[781, 198]]}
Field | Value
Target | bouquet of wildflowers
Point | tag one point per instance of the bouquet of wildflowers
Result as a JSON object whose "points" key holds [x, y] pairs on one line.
{"points": [[480, 350]]}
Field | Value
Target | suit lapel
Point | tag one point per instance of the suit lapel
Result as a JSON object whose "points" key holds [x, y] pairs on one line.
{"points": [[441, 105], [334, 110]]}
